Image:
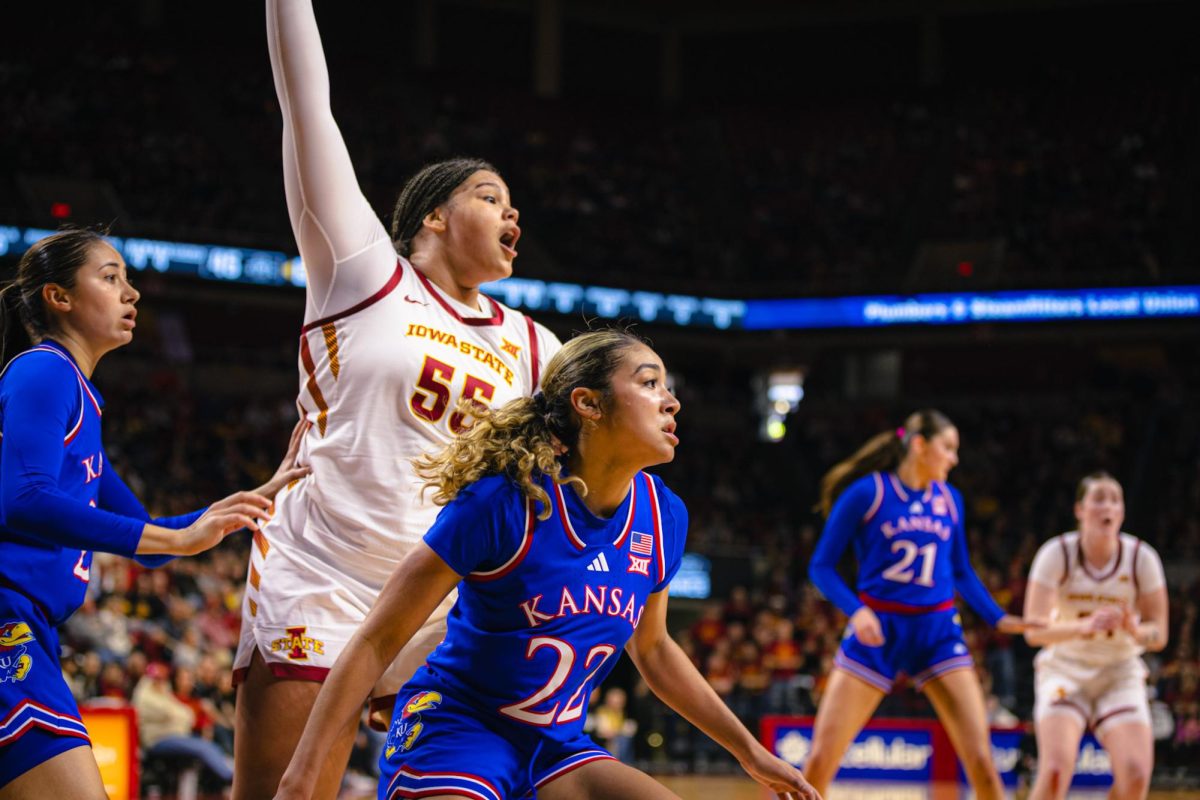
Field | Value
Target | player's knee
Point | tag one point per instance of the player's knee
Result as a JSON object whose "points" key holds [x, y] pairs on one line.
{"points": [[1133, 775], [1056, 773]]}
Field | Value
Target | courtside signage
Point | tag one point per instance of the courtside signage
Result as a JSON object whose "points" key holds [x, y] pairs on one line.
{"points": [[919, 750]]}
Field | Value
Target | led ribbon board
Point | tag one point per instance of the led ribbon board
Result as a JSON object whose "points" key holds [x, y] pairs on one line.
{"points": [[273, 268]]}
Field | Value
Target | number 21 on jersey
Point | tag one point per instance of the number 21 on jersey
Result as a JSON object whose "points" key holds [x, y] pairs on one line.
{"points": [[903, 572]]}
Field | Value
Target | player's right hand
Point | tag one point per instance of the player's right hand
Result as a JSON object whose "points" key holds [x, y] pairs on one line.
{"points": [[779, 776], [867, 628]]}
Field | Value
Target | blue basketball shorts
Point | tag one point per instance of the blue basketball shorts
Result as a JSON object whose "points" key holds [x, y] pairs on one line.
{"points": [[438, 745], [39, 718], [921, 646]]}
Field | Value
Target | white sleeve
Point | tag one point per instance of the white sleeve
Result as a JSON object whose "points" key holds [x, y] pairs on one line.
{"points": [[1048, 565], [347, 253], [1148, 570]]}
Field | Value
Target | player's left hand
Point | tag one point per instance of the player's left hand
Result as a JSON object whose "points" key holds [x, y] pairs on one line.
{"points": [[1130, 620], [1010, 623], [288, 470], [779, 776]]}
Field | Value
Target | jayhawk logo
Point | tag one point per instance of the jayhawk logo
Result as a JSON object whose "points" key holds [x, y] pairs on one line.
{"points": [[408, 726], [14, 661]]}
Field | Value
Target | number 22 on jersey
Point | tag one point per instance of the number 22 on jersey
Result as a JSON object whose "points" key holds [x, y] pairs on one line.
{"points": [[562, 671]]}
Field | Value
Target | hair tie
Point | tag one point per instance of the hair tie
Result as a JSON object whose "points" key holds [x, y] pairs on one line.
{"points": [[541, 403], [900, 432]]}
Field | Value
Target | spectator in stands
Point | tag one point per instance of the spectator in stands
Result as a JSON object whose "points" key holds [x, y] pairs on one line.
{"points": [[166, 725]]}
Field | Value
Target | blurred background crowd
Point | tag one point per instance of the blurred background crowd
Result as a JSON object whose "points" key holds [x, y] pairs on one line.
{"points": [[765, 638]]}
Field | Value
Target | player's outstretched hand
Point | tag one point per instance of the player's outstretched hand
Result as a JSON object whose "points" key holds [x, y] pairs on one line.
{"points": [[288, 470], [867, 628], [779, 776], [1010, 623], [221, 519]]}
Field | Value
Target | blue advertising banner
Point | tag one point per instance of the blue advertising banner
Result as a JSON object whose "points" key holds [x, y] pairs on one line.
{"points": [[272, 268], [967, 307], [887, 752], [1092, 769], [920, 751]]}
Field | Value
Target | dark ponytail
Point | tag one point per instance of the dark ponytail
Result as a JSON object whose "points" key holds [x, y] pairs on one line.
{"points": [[883, 452], [54, 259], [13, 336]]}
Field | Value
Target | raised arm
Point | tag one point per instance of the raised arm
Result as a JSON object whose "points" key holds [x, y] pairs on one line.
{"points": [[347, 252], [421, 581]]}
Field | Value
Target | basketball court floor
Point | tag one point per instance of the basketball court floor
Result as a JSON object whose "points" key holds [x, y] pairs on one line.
{"points": [[696, 787], [705, 787]]}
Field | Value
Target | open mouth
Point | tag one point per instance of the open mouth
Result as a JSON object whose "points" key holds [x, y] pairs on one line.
{"points": [[131, 317], [508, 241], [669, 430]]}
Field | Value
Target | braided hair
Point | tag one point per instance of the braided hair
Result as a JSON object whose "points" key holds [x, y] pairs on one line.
{"points": [[425, 191]]}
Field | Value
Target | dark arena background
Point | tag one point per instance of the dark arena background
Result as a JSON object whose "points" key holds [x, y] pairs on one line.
{"points": [[824, 214]]}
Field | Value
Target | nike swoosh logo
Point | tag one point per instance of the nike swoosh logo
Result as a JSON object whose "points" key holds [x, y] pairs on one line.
{"points": [[409, 299]]}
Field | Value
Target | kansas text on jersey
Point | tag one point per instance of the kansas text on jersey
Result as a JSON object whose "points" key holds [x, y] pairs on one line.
{"points": [[547, 606]]}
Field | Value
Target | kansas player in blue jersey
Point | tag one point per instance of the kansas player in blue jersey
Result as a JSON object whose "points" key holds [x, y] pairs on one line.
{"points": [[562, 550], [891, 501], [60, 500]]}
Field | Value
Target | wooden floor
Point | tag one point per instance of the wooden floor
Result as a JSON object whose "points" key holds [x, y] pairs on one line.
{"points": [[703, 787], [695, 787]]}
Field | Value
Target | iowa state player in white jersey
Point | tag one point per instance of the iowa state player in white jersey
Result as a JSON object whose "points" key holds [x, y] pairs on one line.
{"points": [[561, 562], [1104, 595], [396, 333]]}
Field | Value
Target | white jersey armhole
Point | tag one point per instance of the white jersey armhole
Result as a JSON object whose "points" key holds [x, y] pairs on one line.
{"points": [[1051, 565]]}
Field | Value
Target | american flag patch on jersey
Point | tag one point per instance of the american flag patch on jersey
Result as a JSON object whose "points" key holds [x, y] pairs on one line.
{"points": [[642, 543]]}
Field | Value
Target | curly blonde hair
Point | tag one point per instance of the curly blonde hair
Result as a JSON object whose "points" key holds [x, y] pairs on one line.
{"points": [[524, 438]]}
